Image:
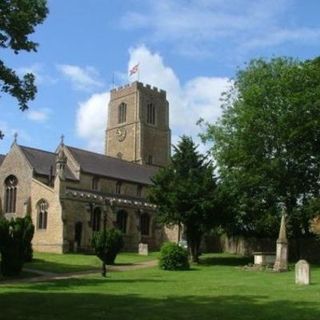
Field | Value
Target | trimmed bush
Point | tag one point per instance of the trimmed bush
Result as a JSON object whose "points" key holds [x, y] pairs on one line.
{"points": [[107, 244], [15, 244], [173, 257]]}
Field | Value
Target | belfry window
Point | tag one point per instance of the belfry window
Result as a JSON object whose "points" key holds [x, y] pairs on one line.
{"points": [[122, 218], [122, 113], [151, 113], [10, 199], [42, 214]]}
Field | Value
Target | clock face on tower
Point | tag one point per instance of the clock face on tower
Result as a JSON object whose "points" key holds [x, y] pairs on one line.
{"points": [[121, 134]]}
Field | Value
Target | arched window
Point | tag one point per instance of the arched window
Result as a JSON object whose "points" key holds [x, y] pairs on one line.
{"points": [[122, 113], [42, 208], [145, 224], [151, 113], [96, 219], [10, 184], [95, 183], [122, 218], [118, 187]]}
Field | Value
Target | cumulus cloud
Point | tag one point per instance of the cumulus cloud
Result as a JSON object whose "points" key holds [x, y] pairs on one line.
{"points": [[38, 70], [40, 115], [197, 98], [86, 78], [91, 120]]}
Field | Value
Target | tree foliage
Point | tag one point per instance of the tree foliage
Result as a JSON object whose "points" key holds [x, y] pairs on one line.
{"points": [[17, 21], [266, 145], [184, 192], [15, 243]]}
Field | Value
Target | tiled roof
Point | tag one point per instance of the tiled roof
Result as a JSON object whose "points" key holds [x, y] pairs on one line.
{"points": [[43, 161], [101, 165], [2, 156]]}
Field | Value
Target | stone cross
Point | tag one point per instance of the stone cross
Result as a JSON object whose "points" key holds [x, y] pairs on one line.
{"points": [[281, 263], [302, 272], [143, 249]]}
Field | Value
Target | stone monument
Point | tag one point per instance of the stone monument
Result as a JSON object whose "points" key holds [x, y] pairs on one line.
{"points": [[281, 263], [302, 272], [143, 249]]}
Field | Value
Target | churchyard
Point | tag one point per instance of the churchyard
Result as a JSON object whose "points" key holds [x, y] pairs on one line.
{"points": [[219, 287]]}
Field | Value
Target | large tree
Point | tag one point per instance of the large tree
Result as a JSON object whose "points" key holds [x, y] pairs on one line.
{"points": [[17, 21], [267, 144], [184, 192]]}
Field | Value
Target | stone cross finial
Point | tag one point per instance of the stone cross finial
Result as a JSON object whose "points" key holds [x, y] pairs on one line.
{"points": [[15, 136], [62, 140]]}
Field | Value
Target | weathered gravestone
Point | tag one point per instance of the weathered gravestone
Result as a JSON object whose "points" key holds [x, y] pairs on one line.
{"points": [[302, 272], [281, 263], [143, 249]]}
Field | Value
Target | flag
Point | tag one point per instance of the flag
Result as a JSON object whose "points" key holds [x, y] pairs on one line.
{"points": [[134, 70]]}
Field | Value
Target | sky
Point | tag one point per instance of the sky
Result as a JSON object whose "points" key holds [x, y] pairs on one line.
{"points": [[190, 48]]}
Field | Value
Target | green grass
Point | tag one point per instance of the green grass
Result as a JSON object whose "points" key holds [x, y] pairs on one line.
{"points": [[216, 289], [61, 263]]}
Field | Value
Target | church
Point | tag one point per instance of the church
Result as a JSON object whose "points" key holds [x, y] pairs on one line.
{"points": [[71, 193]]}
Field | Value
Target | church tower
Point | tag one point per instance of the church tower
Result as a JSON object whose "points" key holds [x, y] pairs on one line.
{"points": [[138, 125]]}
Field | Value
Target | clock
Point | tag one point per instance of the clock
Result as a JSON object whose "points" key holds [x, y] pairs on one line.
{"points": [[121, 134]]}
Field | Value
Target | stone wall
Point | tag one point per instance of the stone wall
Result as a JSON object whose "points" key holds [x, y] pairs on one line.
{"points": [[16, 164], [51, 238]]}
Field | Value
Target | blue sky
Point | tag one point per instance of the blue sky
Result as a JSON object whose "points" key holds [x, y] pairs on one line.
{"points": [[191, 48]]}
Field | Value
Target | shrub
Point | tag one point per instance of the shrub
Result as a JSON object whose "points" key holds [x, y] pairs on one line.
{"points": [[107, 244], [15, 242], [173, 257]]}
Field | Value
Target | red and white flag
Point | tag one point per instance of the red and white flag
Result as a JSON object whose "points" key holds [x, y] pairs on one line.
{"points": [[134, 69]]}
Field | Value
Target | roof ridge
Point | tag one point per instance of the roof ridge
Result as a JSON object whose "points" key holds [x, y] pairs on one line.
{"points": [[36, 149], [114, 158]]}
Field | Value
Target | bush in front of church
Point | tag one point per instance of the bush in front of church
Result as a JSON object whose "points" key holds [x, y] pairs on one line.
{"points": [[173, 257], [107, 244], [15, 242]]}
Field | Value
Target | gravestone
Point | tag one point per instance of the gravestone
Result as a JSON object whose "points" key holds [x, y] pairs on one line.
{"points": [[302, 272], [143, 249]]}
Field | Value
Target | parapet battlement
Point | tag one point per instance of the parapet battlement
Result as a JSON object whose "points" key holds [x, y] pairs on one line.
{"points": [[130, 87]]}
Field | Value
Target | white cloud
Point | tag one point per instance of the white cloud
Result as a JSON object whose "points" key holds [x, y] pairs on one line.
{"points": [[38, 70], [91, 120], [197, 27], [198, 97], [40, 115], [86, 78]]}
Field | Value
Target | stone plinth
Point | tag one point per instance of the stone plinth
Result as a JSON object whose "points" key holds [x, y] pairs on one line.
{"points": [[302, 272], [143, 249], [264, 258]]}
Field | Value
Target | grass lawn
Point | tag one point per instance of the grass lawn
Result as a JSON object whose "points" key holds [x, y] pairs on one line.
{"points": [[216, 289], [60, 263]]}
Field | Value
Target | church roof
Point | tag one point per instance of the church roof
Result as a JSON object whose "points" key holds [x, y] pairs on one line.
{"points": [[102, 165], [2, 156], [43, 162]]}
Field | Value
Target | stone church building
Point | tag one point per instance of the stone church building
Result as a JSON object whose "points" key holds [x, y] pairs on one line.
{"points": [[71, 193]]}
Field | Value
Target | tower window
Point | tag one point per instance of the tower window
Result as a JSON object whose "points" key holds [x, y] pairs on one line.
{"points": [[122, 113], [151, 113], [150, 159], [42, 214], [10, 183]]}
